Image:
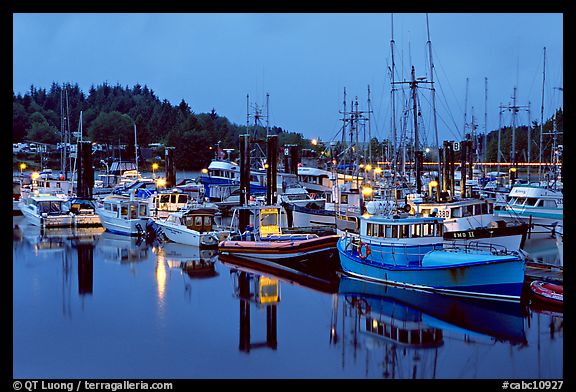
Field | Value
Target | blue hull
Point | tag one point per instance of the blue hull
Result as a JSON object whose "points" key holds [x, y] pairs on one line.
{"points": [[207, 181], [467, 275]]}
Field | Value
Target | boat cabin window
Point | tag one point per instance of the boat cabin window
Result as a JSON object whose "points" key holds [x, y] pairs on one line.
{"points": [[417, 230], [49, 207], [455, 212], [142, 211], [133, 211], [531, 201], [183, 199], [268, 219], [198, 222], [108, 206], [124, 210], [549, 204], [164, 198], [468, 210], [344, 199], [404, 231]]}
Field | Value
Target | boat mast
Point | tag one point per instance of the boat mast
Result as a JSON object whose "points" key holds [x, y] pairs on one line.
{"points": [[369, 128], [499, 132], [514, 109], [135, 148], [466, 109], [433, 99], [393, 105], [416, 140], [542, 118], [485, 142]]}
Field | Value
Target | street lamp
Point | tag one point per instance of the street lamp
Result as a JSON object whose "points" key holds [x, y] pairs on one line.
{"points": [[22, 167], [154, 168]]}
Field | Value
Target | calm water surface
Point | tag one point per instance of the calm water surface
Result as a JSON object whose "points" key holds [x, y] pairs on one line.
{"points": [[90, 304]]}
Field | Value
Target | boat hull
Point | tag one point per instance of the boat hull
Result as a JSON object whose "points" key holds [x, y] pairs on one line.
{"points": [[130, 227], [183, 235], [278, 250], [307, 217], [494, 277], [548, 293]]}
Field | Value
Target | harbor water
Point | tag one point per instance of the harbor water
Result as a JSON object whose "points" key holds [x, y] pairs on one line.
{"points": [[91, 304]]}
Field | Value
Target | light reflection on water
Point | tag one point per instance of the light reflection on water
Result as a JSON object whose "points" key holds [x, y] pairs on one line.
{"points": [[98, 305]]}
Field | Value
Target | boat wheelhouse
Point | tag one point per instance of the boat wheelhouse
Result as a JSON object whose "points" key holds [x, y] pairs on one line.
{"points": [[124, 215], [409, 251], [316, 181], [533, 204]]}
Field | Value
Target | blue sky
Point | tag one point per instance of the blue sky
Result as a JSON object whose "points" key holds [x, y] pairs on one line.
{"points": [[303, 61]]}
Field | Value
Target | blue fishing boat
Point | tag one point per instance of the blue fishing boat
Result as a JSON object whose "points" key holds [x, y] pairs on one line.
{"points": [[409, 251]]}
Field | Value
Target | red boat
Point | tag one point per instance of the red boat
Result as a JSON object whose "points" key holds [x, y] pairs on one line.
{"points": [[547, 292], [279, 250]]}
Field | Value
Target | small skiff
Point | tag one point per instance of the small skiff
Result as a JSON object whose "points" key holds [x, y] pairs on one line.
{"points": [[547, 292]]}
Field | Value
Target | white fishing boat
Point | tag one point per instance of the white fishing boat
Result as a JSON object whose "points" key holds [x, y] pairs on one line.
{"points": [[535, 205], [124, 215], [45, 211], [193, 226]]}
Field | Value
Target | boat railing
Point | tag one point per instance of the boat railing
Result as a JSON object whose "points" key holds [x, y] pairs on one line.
{"points": [[479, 246], [385, 251]]}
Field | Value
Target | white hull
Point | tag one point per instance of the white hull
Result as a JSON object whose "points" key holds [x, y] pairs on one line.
{"points": [[468, 222], [123, 226], [302, 219], [182, 235]]}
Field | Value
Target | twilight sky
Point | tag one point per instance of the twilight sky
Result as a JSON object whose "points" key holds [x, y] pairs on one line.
{"points": [[303, 61]]}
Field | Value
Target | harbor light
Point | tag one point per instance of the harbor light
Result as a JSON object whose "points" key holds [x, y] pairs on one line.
{"points": [[367, 191], [154, 168], [427, 150], [161, 182], [35, 175], [314, 142], [22, 167], [378, 170], [368, 167], [266, 166], [204, 171]]}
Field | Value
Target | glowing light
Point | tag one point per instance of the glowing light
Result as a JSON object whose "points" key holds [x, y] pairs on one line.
{"points": [[314, 142], [374, 324], [161, 182], [367, 191], [266, 166], [154, 166], [333, 161], [427, 149], [433, 184], [204, 171], [368, 167], [22, 166], [378, 170], [513, 170], [361, 166], [35, 175]]}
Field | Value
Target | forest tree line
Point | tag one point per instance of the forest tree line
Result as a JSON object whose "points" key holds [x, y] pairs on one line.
{"points": [[110, 112]]}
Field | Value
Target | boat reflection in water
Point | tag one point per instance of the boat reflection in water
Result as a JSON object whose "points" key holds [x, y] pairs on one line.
{"points": [[257, 282], [196, 262], [410, 327], [122, 249]]}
